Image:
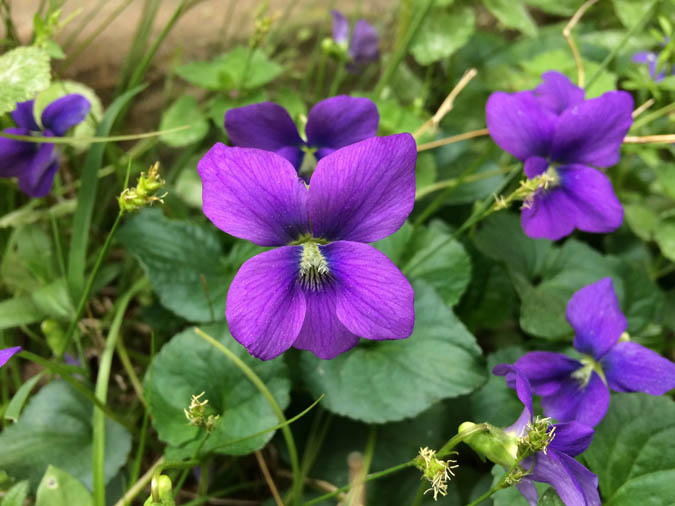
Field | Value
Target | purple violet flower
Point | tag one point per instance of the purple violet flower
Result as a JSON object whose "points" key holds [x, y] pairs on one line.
{"points": [[331, 124], [36, 164], [557, 133], [362, 48], [7, 353], [650, 59], [322, 288], [579, 389], [555, 465]]}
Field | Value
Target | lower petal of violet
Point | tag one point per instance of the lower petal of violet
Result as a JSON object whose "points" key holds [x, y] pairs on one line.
{"points": [[586, 404], [265, 304], [374, 299], [630, 367], [583, 199], [322, 333], [575, 484], [37, 178], [571, 438], [16, 157]]}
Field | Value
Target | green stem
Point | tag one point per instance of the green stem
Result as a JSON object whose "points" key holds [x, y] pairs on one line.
{"points": [[483, 210], [247, 64], [101, 392], [91, 140], [184, 474], [648, 118], [90, 283], [337, 80], [451, 183], [634, 29], [65, 375], [402, 49], [370, 477], [502, 482], [318, 86], [448, 447], [260, 385]]}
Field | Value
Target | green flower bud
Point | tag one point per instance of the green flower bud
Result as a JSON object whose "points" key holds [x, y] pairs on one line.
{"points": [[491, 443], [161, 492], [132, 199]]}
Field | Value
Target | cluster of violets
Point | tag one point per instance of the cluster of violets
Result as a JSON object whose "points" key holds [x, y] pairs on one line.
{"points": [[35, 164], [575, 391]]}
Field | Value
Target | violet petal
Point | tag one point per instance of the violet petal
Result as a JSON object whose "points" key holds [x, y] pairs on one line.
{"points": [[265, 304], [363, 46], [16, 157], [65, 113], [546, 370], [7, 353], [592, 132], [364, 192], [630, 367], [529, 491], [575, 484], [374, 299], [597, 320], [23, 116], [557, 92], [340, 121], [253, 194], [322, 333], [38, 180], [535, 166], [265, 126], [519, 124], [340, 27], [571, 438], [587, 405]]}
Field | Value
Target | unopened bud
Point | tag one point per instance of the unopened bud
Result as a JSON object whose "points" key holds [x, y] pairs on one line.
{"points": [[491, 443], [143, 194], [161, 494]]}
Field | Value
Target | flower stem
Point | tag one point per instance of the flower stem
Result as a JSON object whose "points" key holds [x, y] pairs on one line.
{"points": [[337, 80], [90, 283], [451, 183], [452, 139], [101, 392], [370, 477], [260, 385], [402, 49]]}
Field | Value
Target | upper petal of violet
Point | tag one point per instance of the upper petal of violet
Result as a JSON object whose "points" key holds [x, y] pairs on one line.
{"points": [[253, 194], [7, 353], [340, 121], [363, 47], [592, 132], [23, 116], [630, 367], [557, 92], [519, 124], [545, 370], [265, 126], [374, 299], [265, 304], [597, 320], [64, 113], [364, 192], [340, 27]]}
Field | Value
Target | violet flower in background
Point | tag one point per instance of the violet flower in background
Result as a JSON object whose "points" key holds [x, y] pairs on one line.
{"points": [[650, 59], [363, 46], [7, 353], [556, 132], [575, 484], [579, 389], [331, 124], [34, 164], [322, 288]]}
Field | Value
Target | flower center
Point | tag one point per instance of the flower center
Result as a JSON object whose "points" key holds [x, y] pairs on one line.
{"points": [[309, 162], [583, 374], [314, 271]]}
